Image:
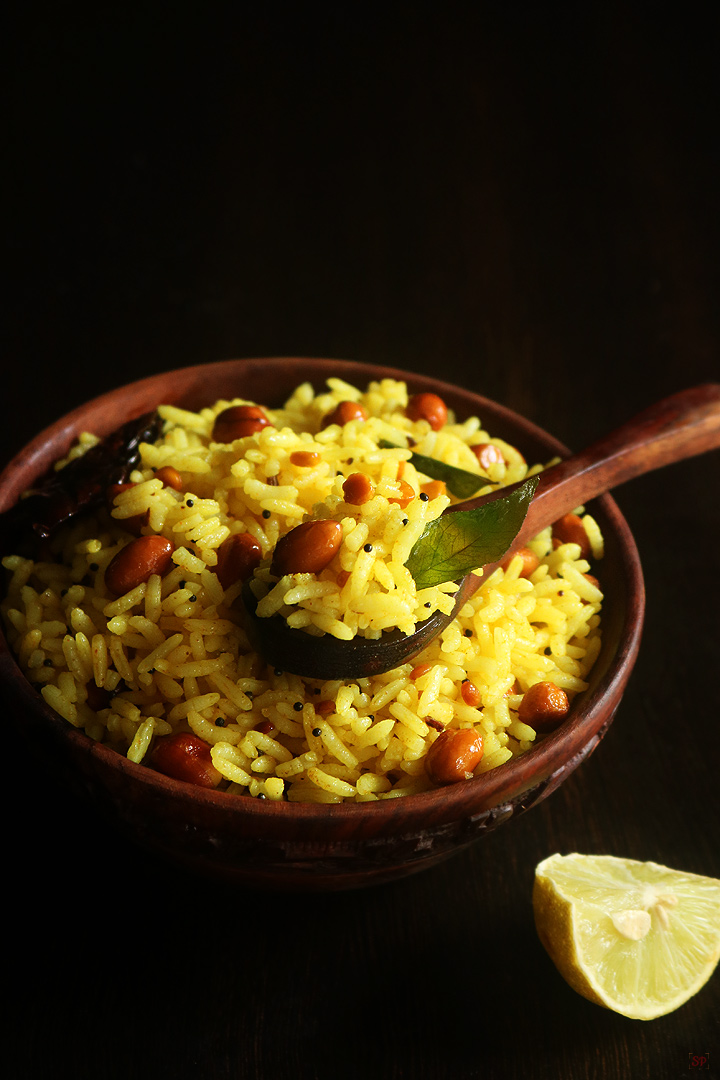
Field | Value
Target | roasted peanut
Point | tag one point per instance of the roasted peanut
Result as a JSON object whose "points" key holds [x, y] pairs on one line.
{"points": [[419, 671], [237, 421], [530, 561], [137, 562], [325, 708], [185, 757], [470, 693], [170, 477], [308, 548], [544, 706], [569, 529], [454, 755], [237, 558], [304, 459], [358, 489], [428, 407], [487, 454], [344, 412]]}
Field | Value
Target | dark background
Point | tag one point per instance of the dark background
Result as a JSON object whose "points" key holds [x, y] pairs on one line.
{"points": [[521, 201]]}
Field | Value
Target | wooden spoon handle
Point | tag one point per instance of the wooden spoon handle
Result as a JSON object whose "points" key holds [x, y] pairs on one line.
{"points": [[678, 427], [681, 426]]}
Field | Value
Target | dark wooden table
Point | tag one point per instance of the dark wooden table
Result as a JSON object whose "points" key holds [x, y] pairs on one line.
{"points": [[525, 204]]}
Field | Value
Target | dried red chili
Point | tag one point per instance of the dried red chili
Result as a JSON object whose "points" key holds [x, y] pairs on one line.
{"points": [[79, 486]]}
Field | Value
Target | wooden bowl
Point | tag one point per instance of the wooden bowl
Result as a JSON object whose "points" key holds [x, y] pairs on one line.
{"points": [[319, 847]]}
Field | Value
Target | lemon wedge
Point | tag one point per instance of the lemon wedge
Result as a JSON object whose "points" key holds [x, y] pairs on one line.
{"points": [[633, 936]]}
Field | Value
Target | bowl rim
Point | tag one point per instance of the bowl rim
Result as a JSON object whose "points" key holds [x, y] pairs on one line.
{"points": [[495, 788]]}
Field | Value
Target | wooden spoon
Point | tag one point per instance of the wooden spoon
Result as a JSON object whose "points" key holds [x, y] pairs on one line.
{"points": [[681, 426]]}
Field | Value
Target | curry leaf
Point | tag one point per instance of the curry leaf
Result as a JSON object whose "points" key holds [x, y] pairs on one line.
{"points": [[457, 543], [460, 482]]}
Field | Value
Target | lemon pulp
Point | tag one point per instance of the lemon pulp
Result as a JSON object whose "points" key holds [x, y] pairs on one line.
{"points": [[636, 937]]}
